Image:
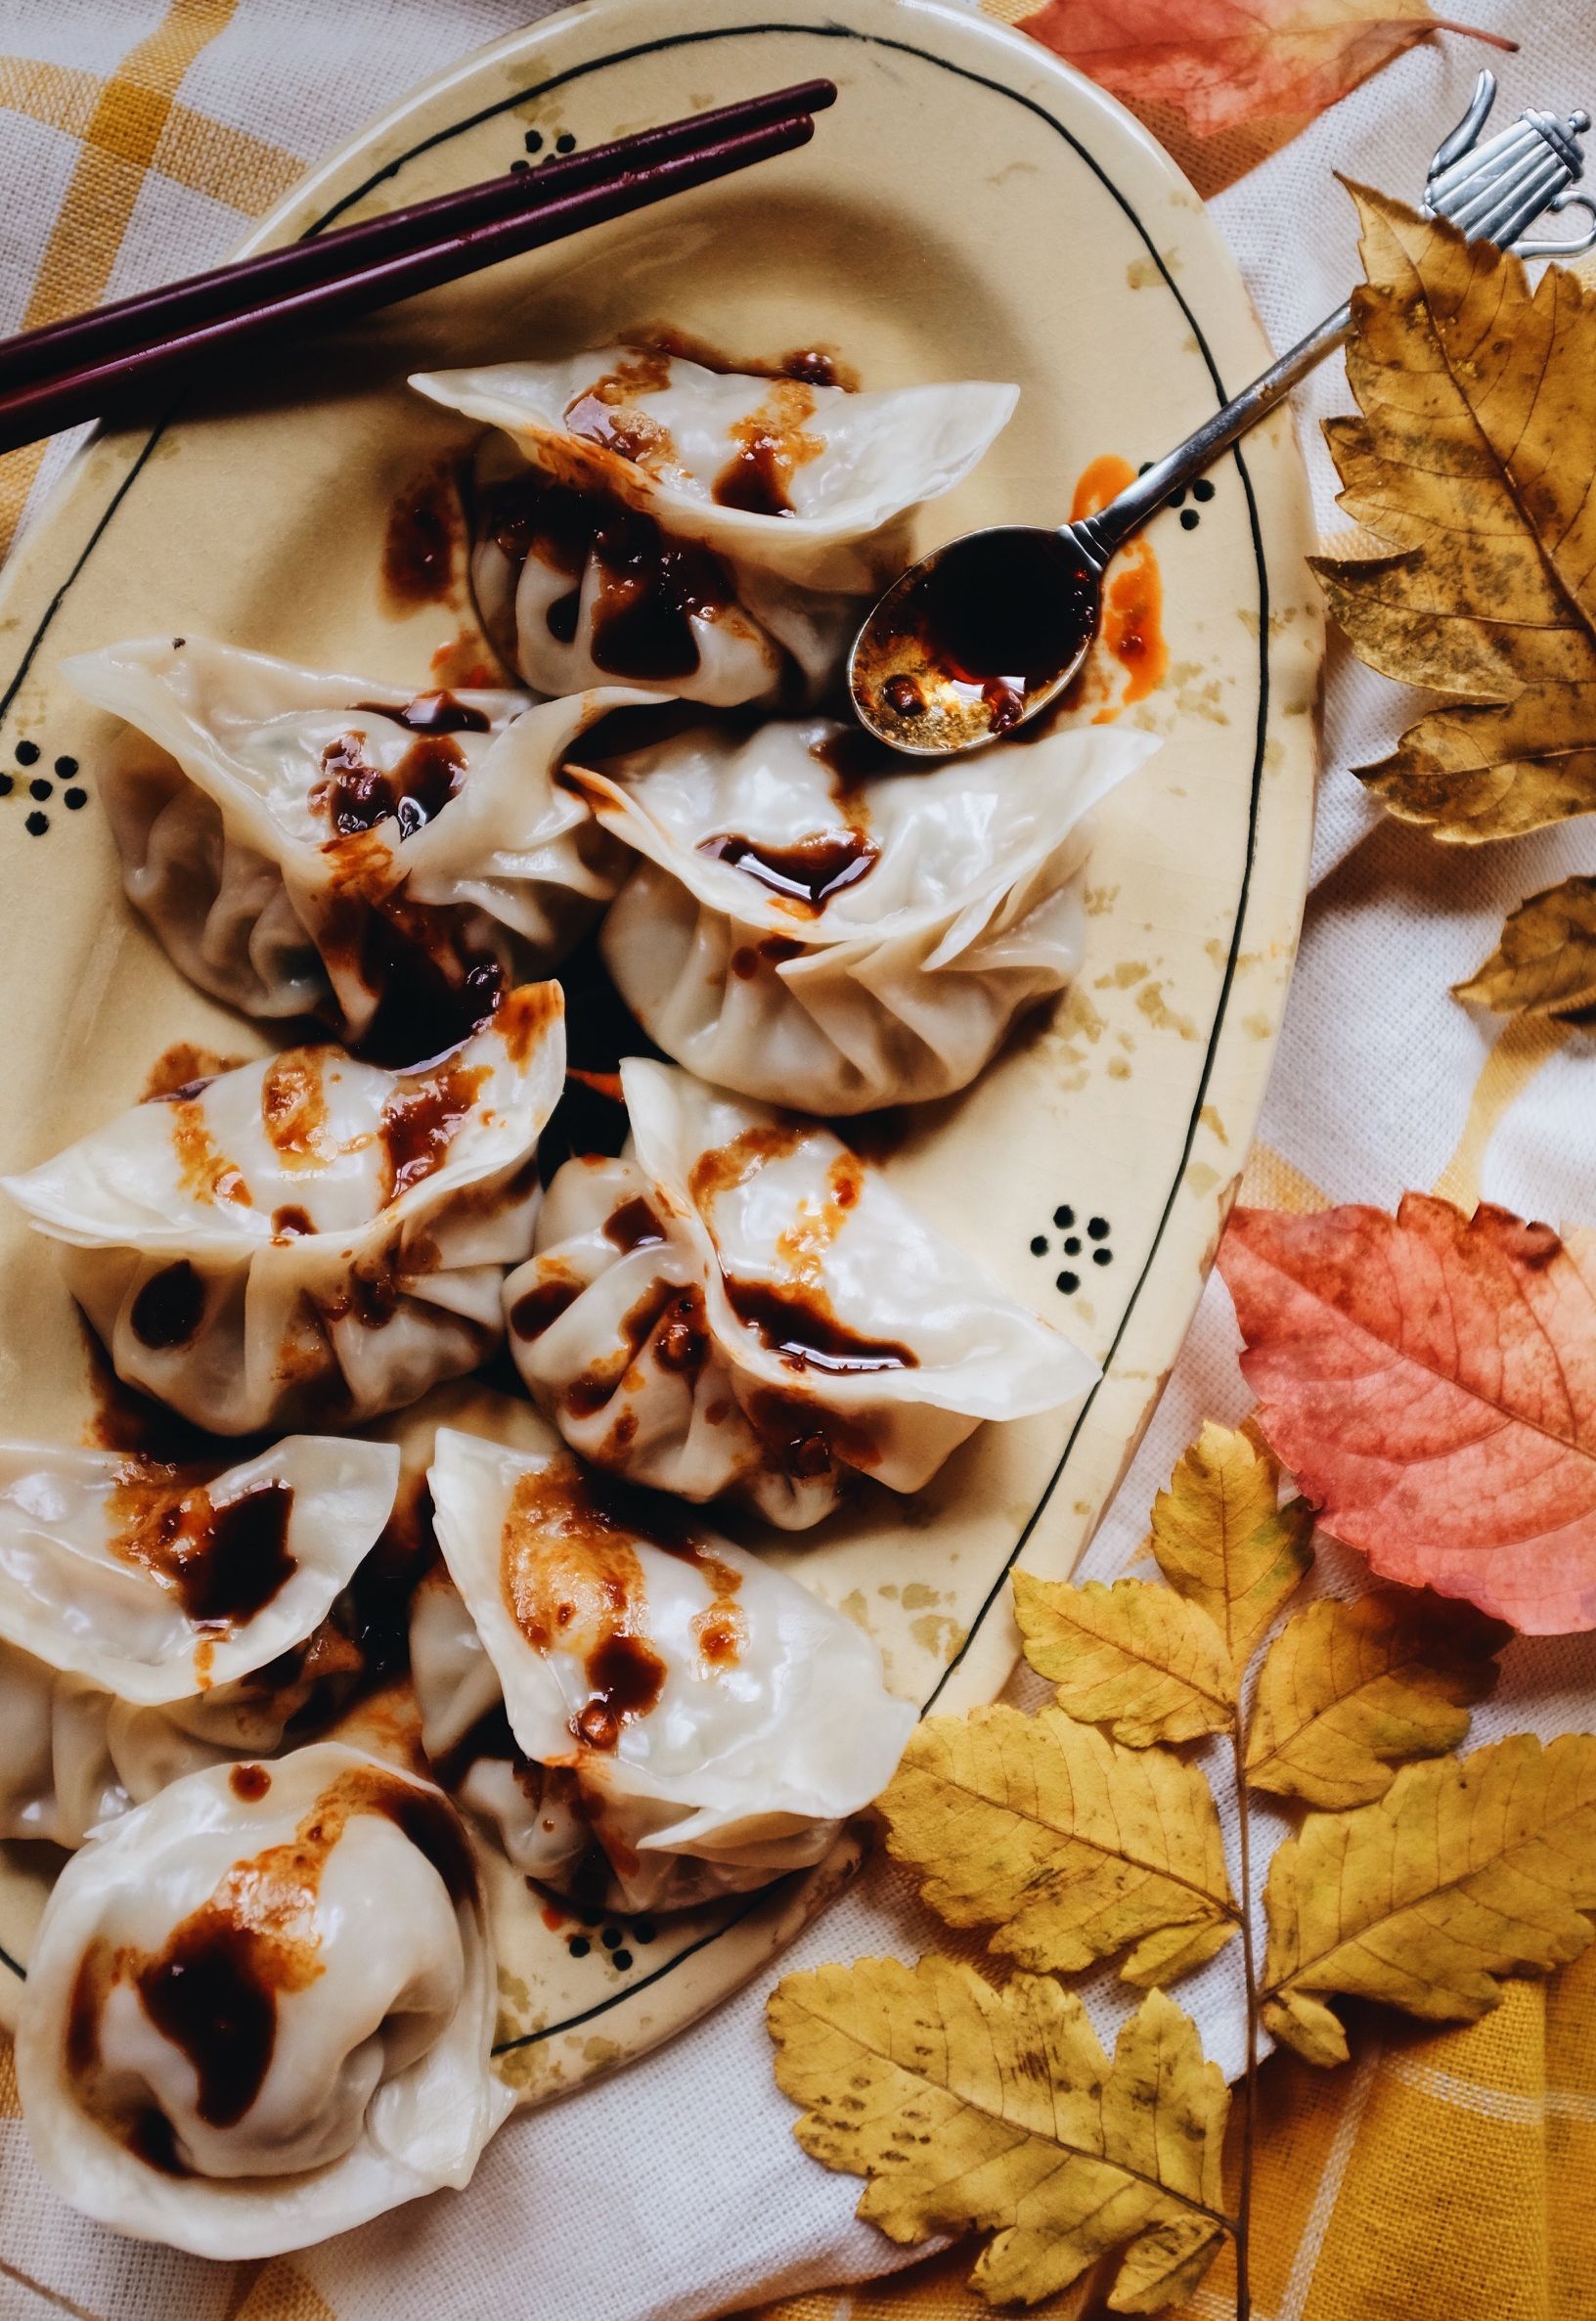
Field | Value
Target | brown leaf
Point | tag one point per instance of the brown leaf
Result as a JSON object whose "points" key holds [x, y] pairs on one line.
{"points": [[1431, 1380], [1071, 1846], [1222, 62], [1494, 770], [1472, 456], [1225, 1543], [973, 2109], [1350, 1689], [1545, 963], [1132, 1657], [1462, 1872]]}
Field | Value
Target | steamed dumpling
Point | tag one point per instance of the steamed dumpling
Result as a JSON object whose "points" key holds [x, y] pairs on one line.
{"points": [[259, 2008], [576, 590], [535, 1812], [313, 844], [309, 1236], [740, 1304], [795, 927], [716, 1720], [149, 1623], [777, 472]]}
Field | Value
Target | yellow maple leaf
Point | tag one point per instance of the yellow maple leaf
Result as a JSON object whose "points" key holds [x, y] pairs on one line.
{"points": [[1463, 1871], [974, 2109], [1135, 1658], [1223, 1541], [1072, 1847], [1349, 1689]]}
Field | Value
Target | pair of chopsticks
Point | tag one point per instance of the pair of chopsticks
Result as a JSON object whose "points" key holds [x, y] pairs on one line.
{"points": [[53, 378]]}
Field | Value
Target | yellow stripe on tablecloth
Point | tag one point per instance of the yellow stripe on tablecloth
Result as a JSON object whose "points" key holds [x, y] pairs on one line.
{"points": [[61, 96], [280, 2291], [224, 164], [1272, 1181]]}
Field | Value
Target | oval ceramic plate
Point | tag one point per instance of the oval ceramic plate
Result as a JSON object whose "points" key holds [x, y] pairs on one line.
{"points": [[969, 209]]}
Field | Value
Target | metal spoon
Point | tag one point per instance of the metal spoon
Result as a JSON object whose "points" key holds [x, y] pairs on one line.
{"points": [[984, 633]]}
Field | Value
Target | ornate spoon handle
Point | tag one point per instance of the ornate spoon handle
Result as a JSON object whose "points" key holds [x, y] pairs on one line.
{"points": [[1491, 192]]}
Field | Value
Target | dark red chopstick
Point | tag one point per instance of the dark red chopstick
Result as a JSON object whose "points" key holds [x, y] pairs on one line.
{"points": [[226, 289], [348, 273]]}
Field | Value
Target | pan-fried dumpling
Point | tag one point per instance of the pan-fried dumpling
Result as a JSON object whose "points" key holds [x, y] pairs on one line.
{"points": [[854, 938], [306, 844], [740, 1304], [794, 477], [576, 590], [309, 1237], [259, 2008], [149, 1623], [718, 1719]]}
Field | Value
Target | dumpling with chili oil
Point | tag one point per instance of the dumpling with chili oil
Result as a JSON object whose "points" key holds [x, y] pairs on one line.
{"points": [[309, 1238], [259, 2008]]}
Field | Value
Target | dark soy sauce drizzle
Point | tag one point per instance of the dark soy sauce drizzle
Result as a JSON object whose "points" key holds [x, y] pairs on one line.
{"points": [[809, 871], [212, 1992], [625, 1679], [357, 795], [651, 586], [634, 1226], [432, 713], [233, 1565], [169, 1308], [809, 1338]]}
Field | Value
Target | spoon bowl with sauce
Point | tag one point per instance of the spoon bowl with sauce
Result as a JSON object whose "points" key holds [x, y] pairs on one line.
{"points": [[986, 632]]}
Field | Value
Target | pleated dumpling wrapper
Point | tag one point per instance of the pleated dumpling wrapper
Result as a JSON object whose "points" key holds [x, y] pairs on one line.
{"points": [[308, 844], [309, 1239], [794, 478], [149, 1623], [812, 921], [578, 590], [259, 2008], [719, 1719], [741, 1306]]}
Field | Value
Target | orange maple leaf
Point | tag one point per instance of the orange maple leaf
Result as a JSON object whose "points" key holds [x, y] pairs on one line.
{"points": [[1429, 1379], [1223, 63]]}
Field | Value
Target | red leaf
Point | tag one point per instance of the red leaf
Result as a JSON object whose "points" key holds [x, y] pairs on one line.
{"points": [[1431, 1381], [1222, 62]]}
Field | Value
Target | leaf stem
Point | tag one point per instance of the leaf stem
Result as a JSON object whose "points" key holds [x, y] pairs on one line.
{"points": [[1249, 2105], [1449, 23]]}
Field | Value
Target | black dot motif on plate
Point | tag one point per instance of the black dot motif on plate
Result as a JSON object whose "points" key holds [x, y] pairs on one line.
{"points": [[1077, 1243], [1201, 491], [616, 1943], [40, 787]]}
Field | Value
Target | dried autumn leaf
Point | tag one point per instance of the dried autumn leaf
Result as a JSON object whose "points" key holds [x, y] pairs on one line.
{"points": [[1223, 1541], [1220, 62], [1485, 769], [1350, 1689], [1071, 1846], [1546, 961], [1477, 438], [973, 2109], [1431, 1380], [1132, 1657], [1463, 1871]]}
